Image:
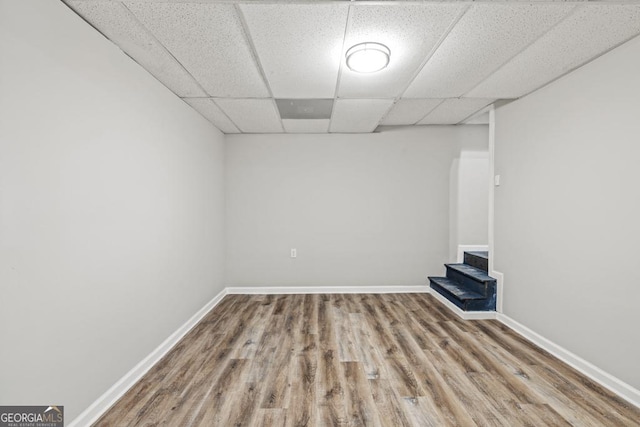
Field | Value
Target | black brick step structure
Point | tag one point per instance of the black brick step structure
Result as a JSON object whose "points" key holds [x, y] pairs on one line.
{"points": [[478, 260], [468, 285]]}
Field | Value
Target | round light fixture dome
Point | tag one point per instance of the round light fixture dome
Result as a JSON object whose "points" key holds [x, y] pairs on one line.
{"points": [[368, 57]]}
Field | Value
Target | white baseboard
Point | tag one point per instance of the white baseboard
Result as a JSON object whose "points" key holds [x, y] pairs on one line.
{"points": [[469, 248], [104, 402], [617, 386], [466, 315], [279, 290]]}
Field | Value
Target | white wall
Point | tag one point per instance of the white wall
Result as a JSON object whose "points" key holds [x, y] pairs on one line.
{"points": [[469, 195], [111, 217], [360, 209], [567, 211]]}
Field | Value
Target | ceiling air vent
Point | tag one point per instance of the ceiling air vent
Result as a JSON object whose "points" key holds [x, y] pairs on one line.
{"points": [[305, 109]]}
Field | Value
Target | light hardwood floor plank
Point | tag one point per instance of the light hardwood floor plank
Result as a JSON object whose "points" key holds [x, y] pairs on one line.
{"points": [[388, 404], [360, 360], [361, 410]]}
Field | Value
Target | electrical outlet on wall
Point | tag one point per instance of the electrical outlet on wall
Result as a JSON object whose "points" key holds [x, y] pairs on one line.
{"points": [[294, 252]]}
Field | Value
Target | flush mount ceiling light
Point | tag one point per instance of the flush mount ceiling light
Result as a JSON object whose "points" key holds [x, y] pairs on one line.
{"points": [[368, 57]]}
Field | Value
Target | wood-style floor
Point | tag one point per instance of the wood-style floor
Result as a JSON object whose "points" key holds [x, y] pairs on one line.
{"points": [[360, 360]]}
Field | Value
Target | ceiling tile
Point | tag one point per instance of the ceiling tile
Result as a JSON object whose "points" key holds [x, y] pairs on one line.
{"points": [[358, 115], [252, 115], [453, 111], [208, 39], [410, 111], [316, 109], [299, 46], [118, 25], [479, 118], [410, 31], [486, 37], [305, 126], [590, 31], [213, 113]]}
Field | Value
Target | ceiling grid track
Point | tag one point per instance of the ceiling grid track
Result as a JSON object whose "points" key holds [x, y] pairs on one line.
{"points": [[164, 48], [168, 52], [347, 26], [422, 65], [474, 113], [430, 111], [150, 34], [564, 18], [256, 59], [593, 58]]}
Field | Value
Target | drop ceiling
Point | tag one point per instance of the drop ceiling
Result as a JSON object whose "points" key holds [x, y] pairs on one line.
{"points": [[235, 62]]}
